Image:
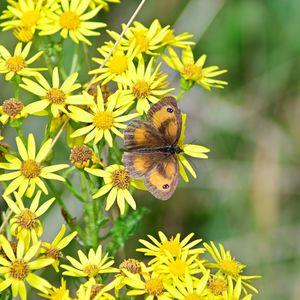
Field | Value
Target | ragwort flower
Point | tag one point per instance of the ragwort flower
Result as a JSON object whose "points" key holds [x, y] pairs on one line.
{"points": [[55, 96], [28, 171], [89, 266], [142, 85], [72, 20], [195, 71], [17, 64], [25, 224], [102, 119], [60, 293], [18, 268], [117, 182]]}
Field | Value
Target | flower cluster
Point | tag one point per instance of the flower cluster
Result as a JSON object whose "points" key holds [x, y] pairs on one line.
{"points": [[128, 82]]}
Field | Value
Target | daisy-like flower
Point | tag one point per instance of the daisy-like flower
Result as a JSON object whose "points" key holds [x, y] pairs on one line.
{"points": [[143, 85], [216, 286], [102, 119], [53, 250], [18, 268], [117, 182], [60, 293], [17, 64], [95, 291], [25, 224], [149, 284], [28, 171], [72, 20], [55, 96], [234, 292], [89, 266], [196, 151], [194, 71], [116, 65], [81, 156], [172, 246], [13, 109], [177, 269], [145, 40], [228, 266], [189, 289]]}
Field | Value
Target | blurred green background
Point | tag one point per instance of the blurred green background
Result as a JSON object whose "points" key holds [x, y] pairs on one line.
{"points": [[247, 193]]}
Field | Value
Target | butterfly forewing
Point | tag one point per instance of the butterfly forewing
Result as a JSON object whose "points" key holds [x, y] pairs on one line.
{"points": [[165, 116], [142, 135]]}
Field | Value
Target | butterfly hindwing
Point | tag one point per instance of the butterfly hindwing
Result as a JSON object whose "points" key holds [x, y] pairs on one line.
{"points": [[142, 135], [165, 116], [161, 181]]}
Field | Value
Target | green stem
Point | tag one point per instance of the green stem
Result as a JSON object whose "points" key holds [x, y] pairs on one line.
{"points": [[16, 81], [180, 94], [74, 64], [71, 188], [20, 133]]}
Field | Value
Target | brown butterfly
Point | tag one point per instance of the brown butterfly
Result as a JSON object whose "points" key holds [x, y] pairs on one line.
{"points": [[151, 148]]}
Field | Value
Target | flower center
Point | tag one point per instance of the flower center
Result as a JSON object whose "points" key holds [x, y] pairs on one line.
{"points": [[56, 96], [118, 64], [154, 287], [104, 119], [177, 268], [30, 169], [95, 290], [23, 34], [217, 286], [169, 36], [192, 72], [91, 270], [171, 246], [12, 107], [15, 63], [141, 41], [27, 219], [30, 18], [141, 89], [193, 296], [54, 253], [131, 265], [69, 20], [19, 269], [80, 156], [230, 267], [120, 179]]}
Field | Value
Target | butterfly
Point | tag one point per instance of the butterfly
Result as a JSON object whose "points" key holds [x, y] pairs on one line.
{"points": [[151, 148]]}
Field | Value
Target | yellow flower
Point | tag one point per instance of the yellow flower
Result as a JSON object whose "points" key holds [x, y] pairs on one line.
{"points": [[28, 171], [149, 284], [71, 21], [177, 269], [117, 183], [27, 14], [25, 224], [53, 250], [116, 65], [188, 149], [145, 40], [60, 293], [95, 3], [18, 269], [57, 95], [142, 85], [95, 291], [173, 246], [195, 71], [234, 293], [13, 109], [82, 156], [17, 63], [227, 265], [89, 266], [102, 119], [189, 290]]}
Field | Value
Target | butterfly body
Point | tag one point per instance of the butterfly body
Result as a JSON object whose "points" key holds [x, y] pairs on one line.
{"points": [[151, 148]]}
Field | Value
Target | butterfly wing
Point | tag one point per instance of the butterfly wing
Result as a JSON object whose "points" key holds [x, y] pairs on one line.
{"points": [[165, 116], [142, 135]]}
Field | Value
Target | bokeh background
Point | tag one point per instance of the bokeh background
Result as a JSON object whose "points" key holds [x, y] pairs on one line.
{"points": [[247, 193]]}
